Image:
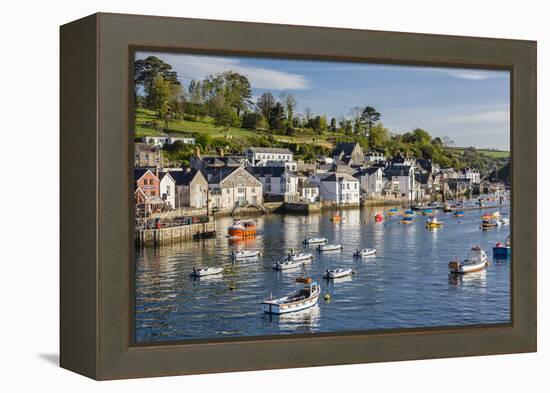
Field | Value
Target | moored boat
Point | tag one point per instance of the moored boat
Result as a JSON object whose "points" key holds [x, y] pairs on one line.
{"points": [[447, 208], [407, 220], [364, 252], [458, 213], [287, 264], [335, 218], [433, 222], [242, 228], [393, 211], [244, 254], [427, 212], [329, 247], [206, 271], [378, 217], [337, 273], [505, 221], [408, 213], [502, 249], [489, 224], [315, 240], [476, 260], [300, 300]]}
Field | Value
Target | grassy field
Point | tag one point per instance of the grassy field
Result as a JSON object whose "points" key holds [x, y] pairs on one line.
{"points": [[206, 126], [487, 152]]}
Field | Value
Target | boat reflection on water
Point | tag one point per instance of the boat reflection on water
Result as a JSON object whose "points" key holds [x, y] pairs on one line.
{"points": [[306, 320], [497, 260], [475, 279]]}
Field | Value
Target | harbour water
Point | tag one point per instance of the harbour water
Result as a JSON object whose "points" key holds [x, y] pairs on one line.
{"points": [[406, 285]]}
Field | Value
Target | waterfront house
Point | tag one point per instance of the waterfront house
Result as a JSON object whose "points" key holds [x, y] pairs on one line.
{"points": [[167, 187], [472, 174], [373, 156], [146, 155], [231, 187], [371, 181], [308, 191], [276, 181], [191, 189], [147, 181], [261, 156], [403, 176], [340, 188], [348, 154]]}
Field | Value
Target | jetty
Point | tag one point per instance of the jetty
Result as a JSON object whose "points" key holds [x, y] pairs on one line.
{"points": [[165, 235]]}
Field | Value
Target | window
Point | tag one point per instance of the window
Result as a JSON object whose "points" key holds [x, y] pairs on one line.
{"points": [[241, 190], [168, 190], [153, 193]]}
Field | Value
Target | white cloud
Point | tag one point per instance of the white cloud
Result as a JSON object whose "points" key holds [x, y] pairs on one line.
{"points": [[494, 116], [470, 74], [198, 67]]}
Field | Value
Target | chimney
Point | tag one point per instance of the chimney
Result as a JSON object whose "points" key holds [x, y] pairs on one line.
{"points": [[197, 152]]}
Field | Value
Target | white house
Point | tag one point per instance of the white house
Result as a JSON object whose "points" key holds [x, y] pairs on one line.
{"points": [[167, 189], [338, 187], [160, 141], [374, 156], [371, 180], [309, 192], [233, 186], [276, 181], [403, 175], [472, 174], [259, 156]]}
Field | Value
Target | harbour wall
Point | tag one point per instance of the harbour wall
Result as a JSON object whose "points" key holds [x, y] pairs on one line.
{"points": [[163, 236]]}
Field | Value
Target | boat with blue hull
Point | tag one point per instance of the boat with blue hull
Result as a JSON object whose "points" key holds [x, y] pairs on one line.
{"points": [[502, 250]]}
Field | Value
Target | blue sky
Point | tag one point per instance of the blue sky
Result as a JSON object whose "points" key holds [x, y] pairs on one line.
{"points": [[470, 106]]}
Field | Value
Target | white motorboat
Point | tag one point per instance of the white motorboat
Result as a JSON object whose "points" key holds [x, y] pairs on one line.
{"points": [[244, 254], [315, 240], [504, 221], [300, 300], [285, 265], [206, 271], [303, 256], [364, 252], [330, 247], [477, 260], [337, 273]]}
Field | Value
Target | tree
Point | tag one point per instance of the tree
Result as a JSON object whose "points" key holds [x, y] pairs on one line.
{"points": [[158, 98], [308, 113], [265, 103], [234, 88], [447, 142], [254, 121], [319, 124], [356, 113], [378, 135], [289, 103], [224, 116], [196, 97], [370, 117], [277, 117], [146, 70], [333, 126]]}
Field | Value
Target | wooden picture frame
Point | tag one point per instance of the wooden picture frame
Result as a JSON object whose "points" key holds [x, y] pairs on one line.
{"points": [[96, 265]]}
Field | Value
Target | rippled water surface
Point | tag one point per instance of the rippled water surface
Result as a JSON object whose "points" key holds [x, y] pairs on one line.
{"points": [[406, 285]]}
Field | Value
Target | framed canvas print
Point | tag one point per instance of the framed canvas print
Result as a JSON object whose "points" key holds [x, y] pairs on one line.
{"points": [[240, 196]]}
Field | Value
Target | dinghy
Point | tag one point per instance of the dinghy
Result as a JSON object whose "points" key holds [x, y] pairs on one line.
{"points": [[337, 273], [502, 249], [330, 247], [300, 300], [315, 240], [285, 265], [477, 260], [244, 254], [364, 252], [206, 271]]}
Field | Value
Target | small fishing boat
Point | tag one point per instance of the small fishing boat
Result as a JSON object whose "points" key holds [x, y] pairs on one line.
{"points": [[378, 217], [433, 222], [206, 271], [300, 300], [287, 264], [393, 211], [489, 224], [477, 260], [407, 220], [447, 208], [486, 217], [303, 256], [496, 215], [315, 240], [335, 218], [364, 252], [244, 254], [329, 247], [337, 273], [458, 213], [408, 213], [502, 249], [505, 221], [427, 212], [242, 228]]}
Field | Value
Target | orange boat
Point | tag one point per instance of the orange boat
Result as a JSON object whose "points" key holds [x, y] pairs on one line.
{"points": [[241, 228], [335, 218]]}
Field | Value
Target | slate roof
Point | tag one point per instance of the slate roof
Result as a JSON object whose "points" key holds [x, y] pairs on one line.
{"points": [[398, 170], [139, 172], [367, 171], [266, 170], [183, 178], [138, 147], [270, 150], [339, 176], [343, 147]]}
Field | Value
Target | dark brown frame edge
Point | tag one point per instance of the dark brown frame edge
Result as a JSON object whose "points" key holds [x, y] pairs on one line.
{"points": [[96, 236]]}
